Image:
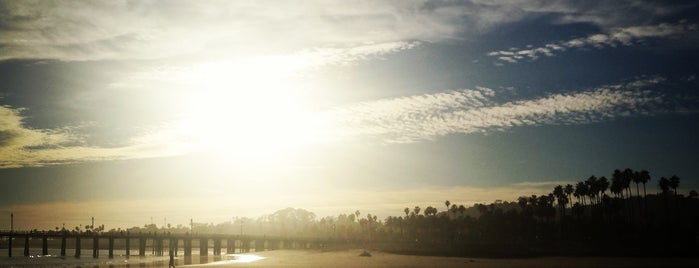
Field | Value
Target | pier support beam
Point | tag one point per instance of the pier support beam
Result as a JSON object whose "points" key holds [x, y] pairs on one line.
{"points": [[26, 246], [246, 246], [128, 246], [259, 245], [141, 246], [63, 246], [230, 246], [77, 246], [9, 246], [111, 247], [158, 246], [173, 245], [188, 247], [45, 245], [217, 246], [95, 247], [203, 246]]}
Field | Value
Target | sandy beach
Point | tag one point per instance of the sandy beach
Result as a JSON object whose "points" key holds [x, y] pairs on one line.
{"points": [[351, 258]]}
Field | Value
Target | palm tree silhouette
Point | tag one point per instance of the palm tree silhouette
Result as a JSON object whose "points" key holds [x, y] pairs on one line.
{"points": [[569, 190], [627, 176], [644, 177], [664, 185], [636, 178], [561, 198], [581, 190], [674, 183]]}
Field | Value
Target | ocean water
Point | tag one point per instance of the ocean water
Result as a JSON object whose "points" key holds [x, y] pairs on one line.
{"points": [[53, 259]]}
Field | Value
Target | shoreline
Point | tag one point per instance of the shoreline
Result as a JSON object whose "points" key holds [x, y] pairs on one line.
{"points": [[351, 258]]}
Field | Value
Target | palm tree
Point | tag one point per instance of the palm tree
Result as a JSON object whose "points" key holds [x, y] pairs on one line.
{"points": [[593, 188], [569, 190], [674, 183], [636, 178], [581, 190], [461, 209], [561, 198], [618, 183], [627, 176], [615, 188], [430, 211], [416, 210], [406, 210], [644, 177], [664, 185], [447, 203], [603, 185]]}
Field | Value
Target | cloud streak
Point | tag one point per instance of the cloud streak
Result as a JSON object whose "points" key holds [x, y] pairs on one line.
{"points": [[22, 146], [105, 30], [429, 116], [615, 37]]}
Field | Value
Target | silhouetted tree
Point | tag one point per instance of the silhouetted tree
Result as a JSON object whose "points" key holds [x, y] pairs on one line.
{"points": [[664, 185], [627, 176], [593, 189], [569, 190], [636, 178], [581, 190], [617, 187], [693, 194], [561, 198], [602, 186], [644, 177], [674, 183]]}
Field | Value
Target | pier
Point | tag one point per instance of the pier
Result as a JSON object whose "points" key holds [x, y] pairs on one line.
{"points": [[158, 244]]}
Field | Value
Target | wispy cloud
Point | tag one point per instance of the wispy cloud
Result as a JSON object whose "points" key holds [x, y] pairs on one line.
{"points": [[96, 30], [399, 120], [429, 116], [22, 146], [615, 37]]}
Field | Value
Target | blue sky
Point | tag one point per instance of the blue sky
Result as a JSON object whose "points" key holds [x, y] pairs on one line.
{"points": [[180, 109]]}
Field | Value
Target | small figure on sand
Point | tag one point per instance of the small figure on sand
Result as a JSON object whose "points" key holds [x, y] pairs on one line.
{"points": [[172, 260], [365, 254]]}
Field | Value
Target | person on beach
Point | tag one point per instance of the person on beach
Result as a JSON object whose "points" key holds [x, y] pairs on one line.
{"points": [[172, 259]]}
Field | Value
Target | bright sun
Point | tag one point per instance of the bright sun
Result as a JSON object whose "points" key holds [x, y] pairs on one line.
{"points": [[252, 111]]}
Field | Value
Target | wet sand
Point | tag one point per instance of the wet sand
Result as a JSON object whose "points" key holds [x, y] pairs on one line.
{"points": [[351, 258]]}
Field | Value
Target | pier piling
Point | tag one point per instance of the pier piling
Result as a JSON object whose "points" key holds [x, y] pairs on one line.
{"points": [[45, 246], [63, 245], [203, 246], [111, 247], [77, 246], [26, 246], [95, 246]]}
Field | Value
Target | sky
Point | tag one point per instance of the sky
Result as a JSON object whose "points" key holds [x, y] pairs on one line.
{"points": [[136, 112]]}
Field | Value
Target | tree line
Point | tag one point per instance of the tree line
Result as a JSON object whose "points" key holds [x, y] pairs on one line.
{"points": [[595, 216]]}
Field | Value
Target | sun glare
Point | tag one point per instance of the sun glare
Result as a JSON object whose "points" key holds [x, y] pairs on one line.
{"points": [[252, 111]]}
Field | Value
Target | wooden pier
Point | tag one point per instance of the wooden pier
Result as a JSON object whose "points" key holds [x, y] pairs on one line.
{"points": [[158, 242]]}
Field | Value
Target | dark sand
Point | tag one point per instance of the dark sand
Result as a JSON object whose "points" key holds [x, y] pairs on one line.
{"points": [[351, 258]]}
